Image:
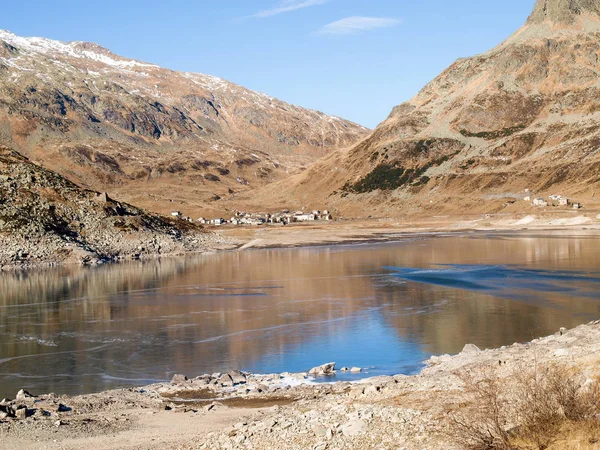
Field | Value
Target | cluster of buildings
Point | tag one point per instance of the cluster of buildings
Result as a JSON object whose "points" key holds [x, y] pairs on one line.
{"points": [[284, 217], [553, 200]]}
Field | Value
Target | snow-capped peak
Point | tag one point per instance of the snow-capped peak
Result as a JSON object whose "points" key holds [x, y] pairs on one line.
{"points": [[74, 49]]}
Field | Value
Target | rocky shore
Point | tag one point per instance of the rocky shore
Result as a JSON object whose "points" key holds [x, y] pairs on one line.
{"points": [[47, 220], [289, 411]]}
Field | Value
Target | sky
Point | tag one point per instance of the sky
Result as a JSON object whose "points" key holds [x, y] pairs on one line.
{"points": [[355, 59]]}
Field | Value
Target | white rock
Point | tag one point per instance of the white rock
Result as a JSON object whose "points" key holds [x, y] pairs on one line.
{"points": [[23, 395], [561, 352], [356, 370], [354, 427], [470, 349], [325, 369]]}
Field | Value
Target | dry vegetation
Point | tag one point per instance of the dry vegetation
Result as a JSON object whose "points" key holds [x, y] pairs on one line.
{"points": [[542, 407]]}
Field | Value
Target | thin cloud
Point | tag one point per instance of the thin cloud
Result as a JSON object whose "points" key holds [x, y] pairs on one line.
{"points": [[286, 6], [353, 25]]}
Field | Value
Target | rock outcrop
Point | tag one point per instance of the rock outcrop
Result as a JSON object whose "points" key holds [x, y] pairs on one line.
{"points": [[563, 11], [46, 219]]}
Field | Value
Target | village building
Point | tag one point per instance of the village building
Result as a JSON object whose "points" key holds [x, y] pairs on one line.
{"points": [[176, 213], [304, 217], [539, 202]]}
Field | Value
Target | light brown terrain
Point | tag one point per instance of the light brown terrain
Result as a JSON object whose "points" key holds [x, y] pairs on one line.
{"points": [[45, 220], [160, 139], [521, 116]]}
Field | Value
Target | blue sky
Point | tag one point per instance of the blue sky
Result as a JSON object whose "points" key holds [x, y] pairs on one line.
{"points": [[355, 59]]}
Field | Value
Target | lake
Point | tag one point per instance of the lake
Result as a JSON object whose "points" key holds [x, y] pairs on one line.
{"points": [[385, 307]]}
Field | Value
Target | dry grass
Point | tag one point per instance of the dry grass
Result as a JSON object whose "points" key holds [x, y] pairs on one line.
{"points": [[543, 407]]}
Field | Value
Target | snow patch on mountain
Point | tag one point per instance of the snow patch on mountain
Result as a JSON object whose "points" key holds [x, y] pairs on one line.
{"points": [[50, 46]]}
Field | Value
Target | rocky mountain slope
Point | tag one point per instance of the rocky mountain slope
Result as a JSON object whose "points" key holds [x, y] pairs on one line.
{"points": [[46, 219], [523, 115], [147, 134]]}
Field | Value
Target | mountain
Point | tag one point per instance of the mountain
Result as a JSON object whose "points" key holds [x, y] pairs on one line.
{"points": [[159, 138], [46, 219], [524, 115]]}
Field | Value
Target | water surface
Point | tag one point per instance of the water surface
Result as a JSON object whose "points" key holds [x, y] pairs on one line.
{"points": [[386, 307]]}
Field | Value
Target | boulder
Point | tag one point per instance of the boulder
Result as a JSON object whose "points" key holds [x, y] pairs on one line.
{"points": [[470, 349], [225, 380], [356, 370], [179, 379], [237, 377], [354, 427], [200, 381], [372, 390], [21, 413], [262, 388], [102, 198], [23, 395], [323, 370]]}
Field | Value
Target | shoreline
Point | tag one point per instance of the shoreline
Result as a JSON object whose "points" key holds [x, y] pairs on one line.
{"points": [[337, 233], [237, 410]]}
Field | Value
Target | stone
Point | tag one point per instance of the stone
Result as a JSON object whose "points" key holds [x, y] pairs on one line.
{"points": [[58, 423], [562, 331], [23, 395], [211, 407], [470, 349], [62, 408], [345, 369], [323, 370], [21, 413], [225, 380], [354, 427], [179, 379], [237, 377], [319, 430], [356, 370], [102, 197], [372, 389], [262, 388]]}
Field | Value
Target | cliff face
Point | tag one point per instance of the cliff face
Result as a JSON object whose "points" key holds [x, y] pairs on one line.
{"points": [[149, 134], [523, 115]]}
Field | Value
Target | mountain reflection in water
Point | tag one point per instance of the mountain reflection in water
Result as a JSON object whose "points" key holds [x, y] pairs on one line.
{"points": [[386, 307]]}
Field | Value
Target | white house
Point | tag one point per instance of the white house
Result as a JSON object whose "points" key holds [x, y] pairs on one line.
{"points": [[305, 217]]}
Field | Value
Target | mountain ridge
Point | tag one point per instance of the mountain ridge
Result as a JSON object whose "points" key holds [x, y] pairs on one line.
{"points": [[490, 130], [563, 11], [154, 137]]}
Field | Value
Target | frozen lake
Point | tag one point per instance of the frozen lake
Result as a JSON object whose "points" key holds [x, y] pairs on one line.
{"points": [[385, 307]]}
